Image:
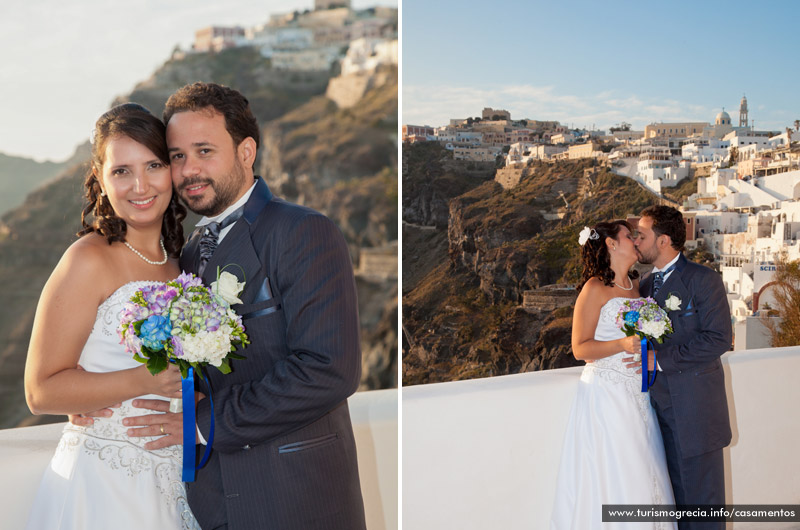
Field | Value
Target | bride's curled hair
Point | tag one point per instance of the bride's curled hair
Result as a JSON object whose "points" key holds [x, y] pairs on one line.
{"points": [[137, 123], [595, 255]]}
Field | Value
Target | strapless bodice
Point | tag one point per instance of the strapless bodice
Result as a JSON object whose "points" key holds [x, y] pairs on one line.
{"points": [[104, 353], [606, 330]]}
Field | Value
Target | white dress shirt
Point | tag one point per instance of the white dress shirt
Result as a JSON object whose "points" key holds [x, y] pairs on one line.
{"points": [[230, 209], [655, 270], [216, 219], [667, 266]]}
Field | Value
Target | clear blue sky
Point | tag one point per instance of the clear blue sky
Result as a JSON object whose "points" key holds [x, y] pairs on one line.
{"points": [[588, 63], [64, 62]]}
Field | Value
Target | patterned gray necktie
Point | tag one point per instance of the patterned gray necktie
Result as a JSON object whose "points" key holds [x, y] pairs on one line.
{"points": [[210, 238], [658, 279]]}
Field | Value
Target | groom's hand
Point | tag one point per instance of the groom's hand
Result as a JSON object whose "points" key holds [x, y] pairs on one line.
{"points": [[85, 419], [168, 425], [630, 363]]}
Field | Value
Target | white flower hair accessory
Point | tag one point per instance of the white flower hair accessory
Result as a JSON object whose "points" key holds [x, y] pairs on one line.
{"points": [[587, 234]]}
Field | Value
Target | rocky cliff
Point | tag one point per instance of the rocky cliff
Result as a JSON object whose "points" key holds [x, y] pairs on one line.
{"points": [[360, 195], [463, 310]]}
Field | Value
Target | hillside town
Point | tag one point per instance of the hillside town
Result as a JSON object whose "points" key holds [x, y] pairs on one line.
{"points": [[331, 34], [745, 209]]}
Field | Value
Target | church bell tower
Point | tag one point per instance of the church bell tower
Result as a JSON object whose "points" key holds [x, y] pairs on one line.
{"points": [[743, 112]]}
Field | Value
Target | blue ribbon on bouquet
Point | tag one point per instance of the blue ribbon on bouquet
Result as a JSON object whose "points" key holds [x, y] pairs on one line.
{"points": [[189, 427], [647, 382]]}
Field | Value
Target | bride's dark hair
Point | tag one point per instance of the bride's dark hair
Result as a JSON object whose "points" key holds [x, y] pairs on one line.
{"points": [[138, 124], [596, 259]]}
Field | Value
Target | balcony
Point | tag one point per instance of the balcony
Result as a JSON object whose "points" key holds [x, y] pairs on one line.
{"points": [[484, 454], [25, 452]]}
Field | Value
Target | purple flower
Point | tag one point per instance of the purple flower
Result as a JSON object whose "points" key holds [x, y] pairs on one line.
{"points": [[187, 280], [177, 346]]}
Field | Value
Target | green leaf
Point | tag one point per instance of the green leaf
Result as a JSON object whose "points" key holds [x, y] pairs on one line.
{"points": [[184, 366], [139, 358], [232, 355], [157, 364], [198, 372], [225, 367]]}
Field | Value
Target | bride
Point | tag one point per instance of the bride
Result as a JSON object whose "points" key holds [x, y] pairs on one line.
{"points": [[613, 452], [99, 477]]}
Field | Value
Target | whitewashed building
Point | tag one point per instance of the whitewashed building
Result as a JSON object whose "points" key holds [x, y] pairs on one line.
{"points": [[701, 150]]}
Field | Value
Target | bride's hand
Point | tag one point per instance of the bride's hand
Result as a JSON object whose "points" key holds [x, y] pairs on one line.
{"points": [[166, 383], [632, 344]]}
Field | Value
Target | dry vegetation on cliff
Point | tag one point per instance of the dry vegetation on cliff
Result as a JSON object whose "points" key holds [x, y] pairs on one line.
{"points": [[463, 316], [361, 200]]}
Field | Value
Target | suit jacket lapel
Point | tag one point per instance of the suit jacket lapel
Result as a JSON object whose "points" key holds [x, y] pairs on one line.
{"points": [[674, 284], [646, 286], [237, 246], [235, 249], [190, 255]]}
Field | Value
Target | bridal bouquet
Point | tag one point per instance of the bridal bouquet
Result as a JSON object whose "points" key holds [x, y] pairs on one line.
{"points": [[184, 322], [646, 319]]}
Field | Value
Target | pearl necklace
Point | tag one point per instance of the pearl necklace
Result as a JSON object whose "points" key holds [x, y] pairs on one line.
{"points": [[625, 288], [151, 262]]}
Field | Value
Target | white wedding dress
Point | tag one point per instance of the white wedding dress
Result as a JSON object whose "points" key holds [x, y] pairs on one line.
{"points": [[613, 452], [99, 478]]}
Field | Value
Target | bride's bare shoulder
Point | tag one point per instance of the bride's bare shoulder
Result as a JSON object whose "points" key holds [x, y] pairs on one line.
{"points": [[90, 251], [87, 262], [595, 293]]}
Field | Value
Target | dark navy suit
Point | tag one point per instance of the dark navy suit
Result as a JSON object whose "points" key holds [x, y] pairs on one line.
{"points": [[689, 393], [284, 455]]}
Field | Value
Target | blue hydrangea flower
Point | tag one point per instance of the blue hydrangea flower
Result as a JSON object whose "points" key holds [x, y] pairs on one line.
{"points": [[154, 331], [631, 317]]}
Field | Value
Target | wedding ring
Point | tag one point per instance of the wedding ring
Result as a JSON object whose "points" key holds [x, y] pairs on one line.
{"points": [[637, 357], [162, 429]]}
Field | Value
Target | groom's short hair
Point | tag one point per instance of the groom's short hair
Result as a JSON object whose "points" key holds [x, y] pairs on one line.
{"points": [[234, 107], [667, 221]]}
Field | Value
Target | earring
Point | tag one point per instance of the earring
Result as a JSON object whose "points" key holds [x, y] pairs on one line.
{"points": [[103, 193], [614, 247]]}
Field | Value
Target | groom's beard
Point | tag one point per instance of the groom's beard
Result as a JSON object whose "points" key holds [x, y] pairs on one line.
{"points": [[646, 258], [225, 191]]}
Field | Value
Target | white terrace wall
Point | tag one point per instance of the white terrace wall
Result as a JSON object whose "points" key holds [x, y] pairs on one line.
{"points": [[484, 454], [25, 452]]}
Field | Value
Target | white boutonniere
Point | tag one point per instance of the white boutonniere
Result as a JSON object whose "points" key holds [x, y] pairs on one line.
{"points": [[228, 287], [673, 303]]}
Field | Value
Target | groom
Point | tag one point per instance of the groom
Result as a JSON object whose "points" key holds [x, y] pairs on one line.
{"points": [[689, 394], [283, 454]]}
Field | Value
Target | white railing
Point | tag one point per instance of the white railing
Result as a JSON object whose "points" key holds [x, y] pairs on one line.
{"points": [[25, 452], [484, 454]]}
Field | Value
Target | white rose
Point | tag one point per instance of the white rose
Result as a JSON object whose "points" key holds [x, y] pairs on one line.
{"points": [[228, 288], [673, 303]]}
